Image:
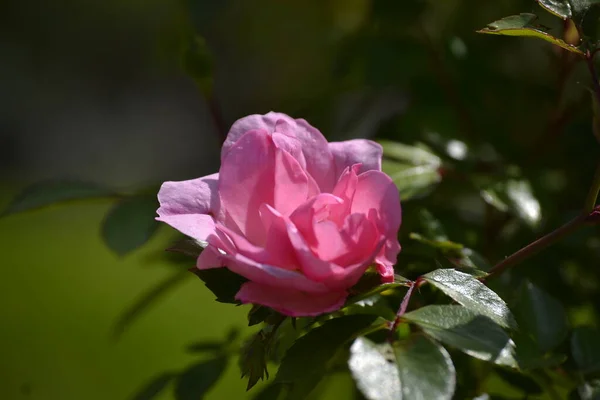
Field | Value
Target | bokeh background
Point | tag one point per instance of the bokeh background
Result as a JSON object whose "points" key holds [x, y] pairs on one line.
{"points": [[103, 92]]}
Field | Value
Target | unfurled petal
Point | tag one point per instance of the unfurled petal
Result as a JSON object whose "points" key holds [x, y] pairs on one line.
{"points": [[357, 151], [195, 196], [196, 226], [291, 302]]}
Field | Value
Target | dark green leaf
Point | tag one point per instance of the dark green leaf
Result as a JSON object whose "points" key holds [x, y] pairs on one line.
{"points": [[205, 347], [529, 356], [374, 370], [466, 330], [154, 387], [130, 224], [222, 282], [47, 193], [197, 380], [520, 381], [585, 348], [523, 25], [542, 316], [306, 362], [258, 314], [274, 391], [426, 370], [515, 196], [147, 299], [560, 8], [432, 227], [472, 294], [373, 305], [254, 356]]}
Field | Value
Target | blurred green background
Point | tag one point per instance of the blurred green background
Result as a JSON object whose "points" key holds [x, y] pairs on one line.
{"points": [[104, 92]]}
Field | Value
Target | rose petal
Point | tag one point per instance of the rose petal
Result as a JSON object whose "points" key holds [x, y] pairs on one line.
{"points": [[376, 191], [196, 226], [291, 183], [195, 196], [317, 208], [357, 151], [246, 180], [291, 302], [315, 150], [209, 258], [269, 275]]}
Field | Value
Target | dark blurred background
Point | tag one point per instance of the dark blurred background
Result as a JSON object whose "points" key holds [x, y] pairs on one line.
{"points": [[103, 91]]}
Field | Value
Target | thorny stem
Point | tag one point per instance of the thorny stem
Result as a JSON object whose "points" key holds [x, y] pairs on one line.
{"points": [[402, 310], [589, 212]]}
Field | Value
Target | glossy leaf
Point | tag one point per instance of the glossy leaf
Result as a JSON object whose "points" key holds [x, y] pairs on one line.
{"points": [[130, 224], [542, 316], [197, 380], [472, 294], [47, 193], [585, 348], [153, 388], [426, 370], [306, 362], [373, 370], [466, 330], [222, 282], [523, 25], [560, 8], [515, 196]]}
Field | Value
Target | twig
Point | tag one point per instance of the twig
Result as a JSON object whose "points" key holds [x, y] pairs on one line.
{"points": [[401, 310]]}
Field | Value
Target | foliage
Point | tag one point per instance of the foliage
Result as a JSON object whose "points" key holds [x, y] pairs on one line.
{"points": [[476, 186]]}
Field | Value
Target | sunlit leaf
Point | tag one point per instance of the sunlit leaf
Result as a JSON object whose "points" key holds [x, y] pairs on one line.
{"points": [[442, 245], [466, 330], [130, 224], [153, 388], [197, 380], [585, 348], [472, 294], [426, 370], [515, 196], [560, 8], [47, 193], [147, 299], [414, 170], [374, 371], [542, 316], [523, 25]]}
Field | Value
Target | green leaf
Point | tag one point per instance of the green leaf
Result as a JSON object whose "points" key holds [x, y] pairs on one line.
{"points": [[530, 357], [147, 299], [585, 348], [130, 224], [254, 356], [373, 370], [432, 227], [258, 314], [222, 282], [519, 381], [47, 193], [306, 362], [523, 25], [153, 388], [541, 316], [373, 305], [274, 391], [466, 330], [560, 8], [410, 155], [426, 370], [515, 196], [442, 245], [188, 247], [472, 294], [414, 170], [197, 380]]}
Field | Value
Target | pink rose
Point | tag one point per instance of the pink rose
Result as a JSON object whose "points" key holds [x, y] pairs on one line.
{"points": [[300, 218]]}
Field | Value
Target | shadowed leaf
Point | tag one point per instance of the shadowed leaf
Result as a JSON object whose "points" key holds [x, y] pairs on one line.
{"points": [[154, 387], [197, 380], [47, 193]]}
